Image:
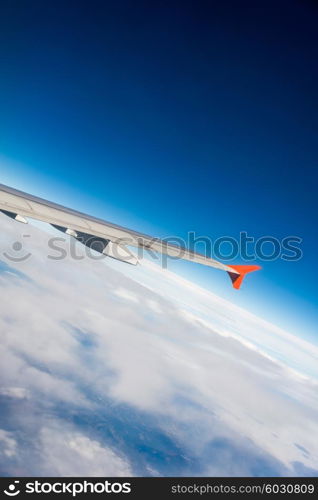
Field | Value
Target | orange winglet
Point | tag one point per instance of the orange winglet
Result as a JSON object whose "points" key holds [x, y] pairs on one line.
{"points": [[242, 270]]}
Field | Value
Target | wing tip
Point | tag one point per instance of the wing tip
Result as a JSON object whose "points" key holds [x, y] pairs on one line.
{"points": [[240, 272]]}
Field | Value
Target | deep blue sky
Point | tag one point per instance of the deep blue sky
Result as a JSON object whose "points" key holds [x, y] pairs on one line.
{"points": [[173, 117]]}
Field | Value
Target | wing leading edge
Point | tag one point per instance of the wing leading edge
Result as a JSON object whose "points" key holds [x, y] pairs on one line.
{"points": [[110, 238]]}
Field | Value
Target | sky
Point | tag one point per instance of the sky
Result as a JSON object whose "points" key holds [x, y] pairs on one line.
{"points": [[169, 118]]}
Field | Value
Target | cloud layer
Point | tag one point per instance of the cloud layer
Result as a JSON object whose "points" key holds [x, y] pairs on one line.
{"points": [[102, 374]]}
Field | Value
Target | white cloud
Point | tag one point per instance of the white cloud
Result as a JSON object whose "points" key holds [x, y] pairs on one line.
{"points": [[79, 328], [66, 452], [8, 445], [126, 294], [14, 392]]}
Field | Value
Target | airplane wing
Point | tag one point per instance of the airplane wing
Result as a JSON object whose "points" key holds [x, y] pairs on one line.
{"points": [[102, 236]]}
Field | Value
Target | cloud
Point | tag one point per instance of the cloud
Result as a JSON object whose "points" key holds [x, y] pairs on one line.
{"points": [[69, 453], [125, 294], [8, 444], [152, 371], [14, 392]]}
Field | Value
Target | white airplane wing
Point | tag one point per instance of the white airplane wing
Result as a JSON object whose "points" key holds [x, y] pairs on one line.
{"points": [[104, 237]]}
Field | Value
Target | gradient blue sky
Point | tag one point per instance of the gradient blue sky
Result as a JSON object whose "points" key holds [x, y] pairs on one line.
{"points": [[184, 116]]}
